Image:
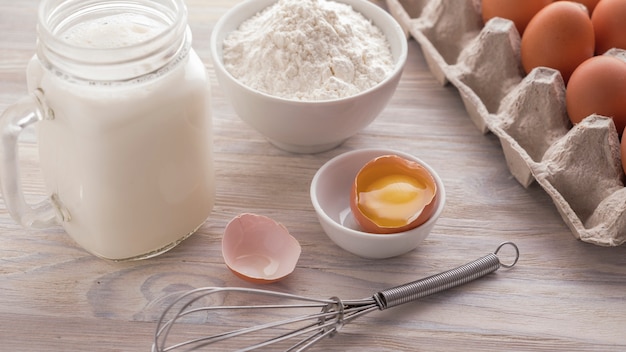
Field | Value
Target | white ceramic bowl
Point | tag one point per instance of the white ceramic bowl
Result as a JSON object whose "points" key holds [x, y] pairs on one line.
{"points": [[307, 126], [330, 195]]}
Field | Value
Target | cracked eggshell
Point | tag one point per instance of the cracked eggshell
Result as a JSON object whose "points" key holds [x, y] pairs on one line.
{"points": [[579, 166], [259, 249]]}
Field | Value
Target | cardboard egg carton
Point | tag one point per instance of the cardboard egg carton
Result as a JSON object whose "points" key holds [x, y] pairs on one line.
{"points": [[578, 166]]}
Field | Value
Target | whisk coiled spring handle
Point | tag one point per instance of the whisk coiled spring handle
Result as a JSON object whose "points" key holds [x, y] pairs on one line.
{"points": [[455, 277]]}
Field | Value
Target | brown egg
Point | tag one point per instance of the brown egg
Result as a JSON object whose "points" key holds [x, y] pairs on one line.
{"points": [[391, 194], [518, 11], [598, 86], [560, 36], [590, 4], [623, 153], [609, 25]]}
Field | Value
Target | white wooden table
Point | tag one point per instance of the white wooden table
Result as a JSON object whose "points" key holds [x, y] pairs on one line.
{"points": [[562, 295]]}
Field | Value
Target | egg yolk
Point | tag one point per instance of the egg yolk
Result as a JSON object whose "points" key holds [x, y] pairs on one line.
{"points": [[394, 200]]}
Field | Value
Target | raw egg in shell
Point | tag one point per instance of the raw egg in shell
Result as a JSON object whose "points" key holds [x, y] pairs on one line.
{"points": [[391, 194], [609, 25], [559, 36], [259, 249], [590, 4], [598, 86], [518, 11]]}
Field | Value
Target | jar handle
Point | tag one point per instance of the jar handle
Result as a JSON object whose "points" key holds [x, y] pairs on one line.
{"points": [[25, 112]]}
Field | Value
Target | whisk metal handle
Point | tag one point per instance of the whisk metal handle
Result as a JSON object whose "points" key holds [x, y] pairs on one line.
{"points": [[436, 283]]}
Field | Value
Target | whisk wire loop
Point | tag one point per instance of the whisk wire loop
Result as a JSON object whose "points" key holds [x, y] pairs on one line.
{"points": [[189, 298]]}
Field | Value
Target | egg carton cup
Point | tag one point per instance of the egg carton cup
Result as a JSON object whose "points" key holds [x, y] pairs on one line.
{"points": [[578, 166]]}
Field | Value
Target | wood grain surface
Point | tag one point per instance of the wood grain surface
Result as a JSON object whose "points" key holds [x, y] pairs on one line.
{"points": [[563, 295]]}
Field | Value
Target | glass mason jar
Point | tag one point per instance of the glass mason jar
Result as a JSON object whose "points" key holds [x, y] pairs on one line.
{"points": [[121, 104]]}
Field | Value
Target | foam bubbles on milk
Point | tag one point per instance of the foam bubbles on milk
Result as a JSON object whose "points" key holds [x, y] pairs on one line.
{"points": [[115, 31]]}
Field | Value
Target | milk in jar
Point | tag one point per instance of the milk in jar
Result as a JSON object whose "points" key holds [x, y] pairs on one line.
{"points": [[126, 147]]}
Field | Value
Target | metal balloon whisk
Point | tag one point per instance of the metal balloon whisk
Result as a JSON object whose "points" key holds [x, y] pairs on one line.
{"points": [[290, 331]]}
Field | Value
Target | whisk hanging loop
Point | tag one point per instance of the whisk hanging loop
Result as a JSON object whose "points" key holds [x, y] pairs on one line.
{"points": [[332, 314]]}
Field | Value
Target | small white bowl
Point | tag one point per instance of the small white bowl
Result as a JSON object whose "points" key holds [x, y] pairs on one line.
{"points": [[330, 195], [308, 126]]}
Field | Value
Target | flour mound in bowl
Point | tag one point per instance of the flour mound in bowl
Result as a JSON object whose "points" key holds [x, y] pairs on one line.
{"points": [[308, 50]]}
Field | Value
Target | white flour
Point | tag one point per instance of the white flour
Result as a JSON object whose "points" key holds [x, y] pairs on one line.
{"points": [[308, 50]]}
